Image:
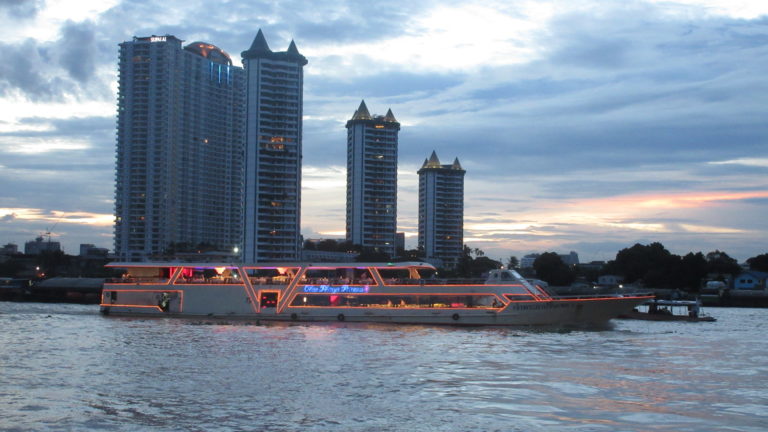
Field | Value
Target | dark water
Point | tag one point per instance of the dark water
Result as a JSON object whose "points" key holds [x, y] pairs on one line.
{"points": [[65, 367]]}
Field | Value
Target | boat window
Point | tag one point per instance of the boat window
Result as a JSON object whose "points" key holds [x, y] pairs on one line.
{"points": [[268, 299], [519, 297], [209, 275], [338, 276], [148, 275], [271, 275]]}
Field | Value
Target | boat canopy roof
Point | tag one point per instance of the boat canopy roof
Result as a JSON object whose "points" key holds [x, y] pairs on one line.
{"points": [[318, 265]]}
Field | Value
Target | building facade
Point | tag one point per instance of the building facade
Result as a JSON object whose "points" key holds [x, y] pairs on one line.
{"points": [[441, 211], [275, 82], [39, 245], [372, 180], [180, 145]]}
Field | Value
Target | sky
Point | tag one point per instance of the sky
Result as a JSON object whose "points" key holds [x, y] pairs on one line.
{"points": [[583, 126]]}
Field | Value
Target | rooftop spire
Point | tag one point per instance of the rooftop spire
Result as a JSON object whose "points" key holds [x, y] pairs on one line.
{"points": [[292, 48], [390, 117], [293, 53], [260, 42], [434, 162], [362, 112], [456, 165]]}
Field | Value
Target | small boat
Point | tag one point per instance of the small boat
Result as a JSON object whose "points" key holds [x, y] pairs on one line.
{"points": [[669, 310], [407, 292]]}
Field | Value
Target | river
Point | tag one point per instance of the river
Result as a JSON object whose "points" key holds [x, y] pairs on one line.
{"points": [[66, 367]]}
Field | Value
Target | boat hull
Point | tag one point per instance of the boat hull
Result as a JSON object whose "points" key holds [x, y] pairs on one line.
{"points": [[232, 303]]}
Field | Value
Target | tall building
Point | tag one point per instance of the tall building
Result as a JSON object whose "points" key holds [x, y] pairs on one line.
{"points": [[275, 82], [372, 180], [441, 210], [180, 144]]}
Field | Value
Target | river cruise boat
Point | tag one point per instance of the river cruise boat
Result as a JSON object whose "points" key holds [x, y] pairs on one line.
{"points": [[407, 292]]}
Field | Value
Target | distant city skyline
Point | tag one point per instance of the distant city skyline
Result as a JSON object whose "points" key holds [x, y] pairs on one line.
{"points": [[586, 127]]}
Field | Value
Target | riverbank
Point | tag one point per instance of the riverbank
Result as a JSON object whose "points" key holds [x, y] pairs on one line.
{"points": [[54, 290]]}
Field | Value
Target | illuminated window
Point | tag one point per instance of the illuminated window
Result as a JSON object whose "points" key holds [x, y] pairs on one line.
{"points": [[379, 126]]}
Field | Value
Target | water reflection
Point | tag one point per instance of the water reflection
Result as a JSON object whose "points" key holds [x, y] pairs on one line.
{"points": [[66, 367]]}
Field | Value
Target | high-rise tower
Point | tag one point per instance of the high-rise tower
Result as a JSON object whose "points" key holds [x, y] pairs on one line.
{"points": [[441, 210], [372, 180], [180, 143], [275, 82]]}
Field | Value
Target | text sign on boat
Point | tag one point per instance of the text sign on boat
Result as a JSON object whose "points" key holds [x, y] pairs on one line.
{"points": [[335, 289]]}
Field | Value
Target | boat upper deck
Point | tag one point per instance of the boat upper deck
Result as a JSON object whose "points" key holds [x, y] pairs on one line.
{"points": [[320, 274]]}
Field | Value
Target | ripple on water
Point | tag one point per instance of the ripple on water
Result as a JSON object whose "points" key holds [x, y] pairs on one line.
{"points": [[67, 367]]}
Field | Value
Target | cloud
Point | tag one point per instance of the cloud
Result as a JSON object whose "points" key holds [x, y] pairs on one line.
{"points": [[77, 54], [20, 9], [564, 115]]}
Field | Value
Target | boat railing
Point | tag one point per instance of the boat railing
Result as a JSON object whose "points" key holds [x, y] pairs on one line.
{"points": [[270, 280], [214, 280], [137, 280], [433, 281]]}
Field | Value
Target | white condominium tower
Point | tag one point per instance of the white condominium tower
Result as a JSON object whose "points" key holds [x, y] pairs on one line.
{"points": [[180, 143], [441, 211], [275, 82], [372, 180]]}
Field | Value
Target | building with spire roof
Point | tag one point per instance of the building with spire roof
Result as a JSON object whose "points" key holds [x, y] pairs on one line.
{"points": [[372, 180], [275, 83], [441, 211], [180, 140]]}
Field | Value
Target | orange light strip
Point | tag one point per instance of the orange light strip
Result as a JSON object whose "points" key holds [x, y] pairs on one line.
{"points": [[292, 287], [602, 298], [249, 290], [167, 282], [397, 308], [104, 293], [133, 306]]}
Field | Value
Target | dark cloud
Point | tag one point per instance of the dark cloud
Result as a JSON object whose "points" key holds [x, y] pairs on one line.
{"points": [[77, 50], [23, 71], [49, 71], [20, 9]]}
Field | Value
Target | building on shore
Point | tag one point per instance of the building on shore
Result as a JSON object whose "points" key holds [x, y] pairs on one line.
{"points": [[372, 180], [441, 210], [275, 82], [570, 259], [180, 144], [40, 245]]}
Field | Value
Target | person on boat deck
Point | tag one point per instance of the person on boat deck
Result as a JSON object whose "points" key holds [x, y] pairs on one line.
{"points": [[402, 302]]}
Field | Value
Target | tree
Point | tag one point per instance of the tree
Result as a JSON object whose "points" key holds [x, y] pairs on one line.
{"points": [[513, 262], [551, 268], [412, 255], [372, 255], [328, 245], [482, 264], [720, 263], [653, 264], [693, 268], [759, 262]]}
